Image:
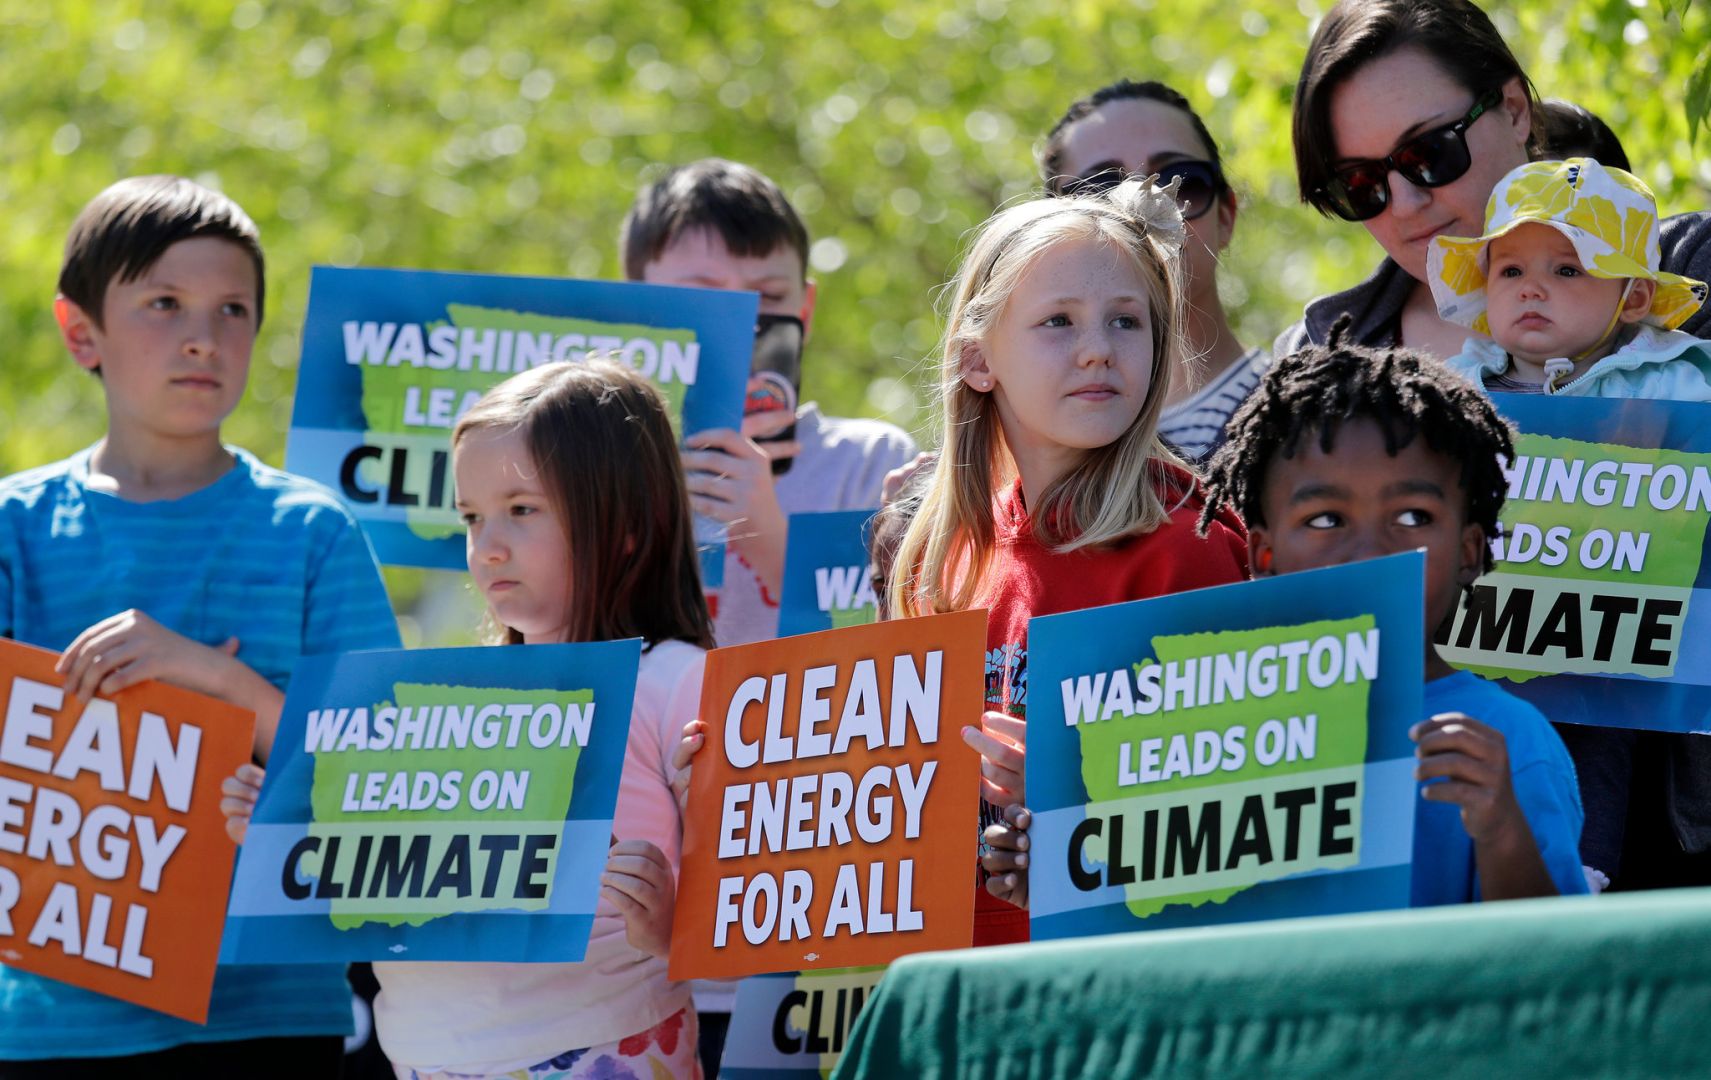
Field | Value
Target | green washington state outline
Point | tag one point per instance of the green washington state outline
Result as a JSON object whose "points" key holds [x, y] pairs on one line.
{"points": [[552, 776], [858, 615], [1672, 555], [1342, 732], [830, 981], [384, 388]]}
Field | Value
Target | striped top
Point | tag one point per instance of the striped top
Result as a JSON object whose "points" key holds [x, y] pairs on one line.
{"points": [[1196, 426], [259, 554], [1502, 384]]}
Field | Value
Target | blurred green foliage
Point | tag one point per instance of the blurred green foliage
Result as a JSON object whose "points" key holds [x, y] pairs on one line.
{"points": [[501, 136], [509, 137]]}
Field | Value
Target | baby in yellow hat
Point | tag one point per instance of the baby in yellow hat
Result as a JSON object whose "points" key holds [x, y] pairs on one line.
{"points": [[1564, 292]]}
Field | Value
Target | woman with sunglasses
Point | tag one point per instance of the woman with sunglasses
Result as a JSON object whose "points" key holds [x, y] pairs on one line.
{"points": [[1407, 113], [1131, 128]]}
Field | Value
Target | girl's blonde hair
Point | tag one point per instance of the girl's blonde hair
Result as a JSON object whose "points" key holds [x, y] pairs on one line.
{"points": [[601, 437], [1114, 492]]}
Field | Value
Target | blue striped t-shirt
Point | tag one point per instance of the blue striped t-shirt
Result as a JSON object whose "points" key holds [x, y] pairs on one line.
{"points": [[269, 558]]}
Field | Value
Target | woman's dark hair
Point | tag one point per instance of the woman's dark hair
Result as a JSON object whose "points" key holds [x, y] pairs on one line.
{"points": [[600, 435], [1312, 393], [1567, 130], [1457, 35], [1051, 155]]}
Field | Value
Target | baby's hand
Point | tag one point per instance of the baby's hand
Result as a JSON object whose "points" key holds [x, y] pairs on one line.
{"points": [[694, 734], [1007, 860], [239, 793], [1472, 760], [999, 738], [638, 881]]}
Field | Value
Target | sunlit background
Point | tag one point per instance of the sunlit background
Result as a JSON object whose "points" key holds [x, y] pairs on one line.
{"points": [[509, 137]]}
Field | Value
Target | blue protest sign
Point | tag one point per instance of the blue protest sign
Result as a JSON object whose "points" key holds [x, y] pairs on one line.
{"points": [[1599, 608], [1227, 754], [828, 581], [794, 1025], [417, 802], [391, 359]]}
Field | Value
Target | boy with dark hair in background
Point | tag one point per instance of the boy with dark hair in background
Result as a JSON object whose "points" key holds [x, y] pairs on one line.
{"points": [[716, 224]]}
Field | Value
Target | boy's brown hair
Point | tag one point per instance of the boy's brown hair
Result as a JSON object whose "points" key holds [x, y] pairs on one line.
{"points": [[602, 439], [747, 210], [127, 228]]}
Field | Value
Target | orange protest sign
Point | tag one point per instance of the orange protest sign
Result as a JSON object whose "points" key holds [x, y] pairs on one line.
{"points": [[832, 809], [114, 860]]}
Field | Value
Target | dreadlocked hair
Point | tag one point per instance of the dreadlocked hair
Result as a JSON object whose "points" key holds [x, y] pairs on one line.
{"points": [[1315, 391]]}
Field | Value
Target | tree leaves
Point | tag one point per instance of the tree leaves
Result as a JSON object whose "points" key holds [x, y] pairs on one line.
{"points": [[511, 138], [1698, 95]]}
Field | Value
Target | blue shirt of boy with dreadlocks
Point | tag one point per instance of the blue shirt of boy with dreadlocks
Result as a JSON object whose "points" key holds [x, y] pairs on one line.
{"points": [[1346, 453]]}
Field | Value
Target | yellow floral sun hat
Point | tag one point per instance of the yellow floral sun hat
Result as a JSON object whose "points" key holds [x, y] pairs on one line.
{"points": [[1610, 217]]}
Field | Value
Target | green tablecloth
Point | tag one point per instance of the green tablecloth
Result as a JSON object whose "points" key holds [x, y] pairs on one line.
{"points": [[1562, 988]]}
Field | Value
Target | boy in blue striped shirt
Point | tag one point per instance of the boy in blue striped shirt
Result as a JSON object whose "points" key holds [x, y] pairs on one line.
{"points": [[161, 553]]}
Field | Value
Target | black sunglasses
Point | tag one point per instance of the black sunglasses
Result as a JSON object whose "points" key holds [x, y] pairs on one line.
{"points": [[1361, 190], [1202, 183]]}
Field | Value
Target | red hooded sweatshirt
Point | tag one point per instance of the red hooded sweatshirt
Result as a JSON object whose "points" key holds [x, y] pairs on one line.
{"points": [[1027, 578]]}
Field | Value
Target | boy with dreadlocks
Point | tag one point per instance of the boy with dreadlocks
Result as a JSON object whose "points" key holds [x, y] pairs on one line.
{"points": [[1345, 453]]}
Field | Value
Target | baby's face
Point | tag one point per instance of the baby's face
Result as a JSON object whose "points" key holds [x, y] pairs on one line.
{"points": [[1540, 301]]}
